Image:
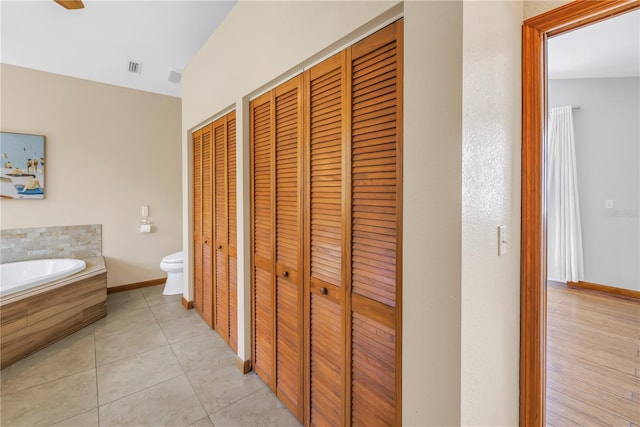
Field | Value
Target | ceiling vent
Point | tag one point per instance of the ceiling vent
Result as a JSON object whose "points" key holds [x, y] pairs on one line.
{"points": [[175, 76], [135, 67]]}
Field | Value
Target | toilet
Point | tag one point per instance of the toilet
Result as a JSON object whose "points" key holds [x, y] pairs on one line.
{"points": [[172, 265]]}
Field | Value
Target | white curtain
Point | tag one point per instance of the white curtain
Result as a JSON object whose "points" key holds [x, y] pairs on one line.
{"points": [[564, 235]]}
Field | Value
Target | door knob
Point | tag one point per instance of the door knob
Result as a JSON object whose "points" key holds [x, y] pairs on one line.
{"points": [[285, 274], [206, 241], [324, 291], [220, 247]]}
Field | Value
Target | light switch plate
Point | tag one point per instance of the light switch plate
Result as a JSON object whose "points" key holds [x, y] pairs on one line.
{"points": [[608, 204], [502, 240]]}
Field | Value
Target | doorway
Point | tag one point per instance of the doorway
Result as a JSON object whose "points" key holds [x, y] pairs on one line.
{"points": [[534, 203]]}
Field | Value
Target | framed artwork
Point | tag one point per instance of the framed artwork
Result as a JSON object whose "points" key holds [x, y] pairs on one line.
{"points": [[22, 158]]}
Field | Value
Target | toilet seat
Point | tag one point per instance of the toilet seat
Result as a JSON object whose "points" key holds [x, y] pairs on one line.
{"points": [[175, 258]]}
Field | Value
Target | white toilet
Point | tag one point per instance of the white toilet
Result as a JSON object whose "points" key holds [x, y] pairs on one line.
{"points": [[172, 264]]}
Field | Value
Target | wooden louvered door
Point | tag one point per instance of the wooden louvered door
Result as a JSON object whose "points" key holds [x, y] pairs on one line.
{"points": [[376, 227], [197, 220], [276, 158], [214, 233], [288, 227], [232, 231], [263, 237], [324, 226], [203, 216], [221, 234], [327, 324]]}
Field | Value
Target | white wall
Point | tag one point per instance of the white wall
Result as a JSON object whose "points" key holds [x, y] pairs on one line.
{"points": [[458, 98], [607, 155], [109, 151], [491, 197]]}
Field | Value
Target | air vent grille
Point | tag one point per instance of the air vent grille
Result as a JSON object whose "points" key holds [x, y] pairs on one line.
{"points": [[175, 76], [135, 67]]}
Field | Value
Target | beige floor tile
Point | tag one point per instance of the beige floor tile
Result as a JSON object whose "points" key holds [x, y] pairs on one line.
{"points": [[204, 422], [87, 419], [172, 310], [259, 409], [128, 343], [171, 403], [70, 355], [185, 327], [51, 402], [125, 301], [202, 350], [124, 320], [153, 295], [135, 373], [220, 385]]}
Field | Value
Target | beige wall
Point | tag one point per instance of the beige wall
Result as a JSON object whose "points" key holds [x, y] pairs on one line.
{"points": [[457, 100], [536, 7], [491, 197], [109, 151]]}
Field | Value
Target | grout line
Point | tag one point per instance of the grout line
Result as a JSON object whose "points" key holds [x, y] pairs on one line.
{"points": [[124, 396], [265, 386], [47, 382], [73, 416], [95, 367]]}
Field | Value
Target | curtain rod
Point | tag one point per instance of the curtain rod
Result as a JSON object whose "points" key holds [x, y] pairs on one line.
{"points": [[573, 107]]}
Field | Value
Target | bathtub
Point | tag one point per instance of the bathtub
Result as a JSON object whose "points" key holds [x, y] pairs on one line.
{"points": [[43, 301], [17, 276]]}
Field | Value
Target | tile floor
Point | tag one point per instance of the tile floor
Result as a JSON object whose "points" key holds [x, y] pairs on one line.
{"points": [[150, 362]]}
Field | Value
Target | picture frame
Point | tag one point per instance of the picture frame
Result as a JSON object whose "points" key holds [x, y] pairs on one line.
{"points": [[22, 166]]}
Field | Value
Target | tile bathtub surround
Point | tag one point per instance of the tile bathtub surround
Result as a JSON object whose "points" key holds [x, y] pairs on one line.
{"points": [[74, 241], [109, 374]]}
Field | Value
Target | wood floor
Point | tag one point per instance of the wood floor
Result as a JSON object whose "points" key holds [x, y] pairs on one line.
{"points": [[593, 359]]}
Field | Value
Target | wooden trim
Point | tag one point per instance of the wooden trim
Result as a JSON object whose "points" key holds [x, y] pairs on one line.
{"points": [[612, 290], [399, 221], [243, 366], [136, 285], [533, 246], [347, 225], [186, 304]]}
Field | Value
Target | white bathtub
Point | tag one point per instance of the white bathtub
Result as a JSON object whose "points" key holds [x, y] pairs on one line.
{"points": [[18, 276]]}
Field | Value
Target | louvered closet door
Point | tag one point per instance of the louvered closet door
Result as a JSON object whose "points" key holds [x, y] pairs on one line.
{"points": [[288, 192], [197, 219], [207, 225], [324, 233], [376, 164], [232, 230], [263, 237], [221, 234]]}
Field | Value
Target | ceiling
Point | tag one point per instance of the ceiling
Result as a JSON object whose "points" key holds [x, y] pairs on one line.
{"points": [[97, 42], [607, 49]]}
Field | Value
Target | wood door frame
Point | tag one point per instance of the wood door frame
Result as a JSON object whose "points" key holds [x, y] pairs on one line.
{"points": [[535, 32]]}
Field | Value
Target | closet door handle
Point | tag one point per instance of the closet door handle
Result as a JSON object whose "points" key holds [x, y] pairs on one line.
{"points": [[220, 247], [206, 241], [285, 274], [324, 291]]}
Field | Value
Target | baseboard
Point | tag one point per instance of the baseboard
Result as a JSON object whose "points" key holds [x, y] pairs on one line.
{"points": [[187, 304], [136, 285], [612, 290], [243, 366]]}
